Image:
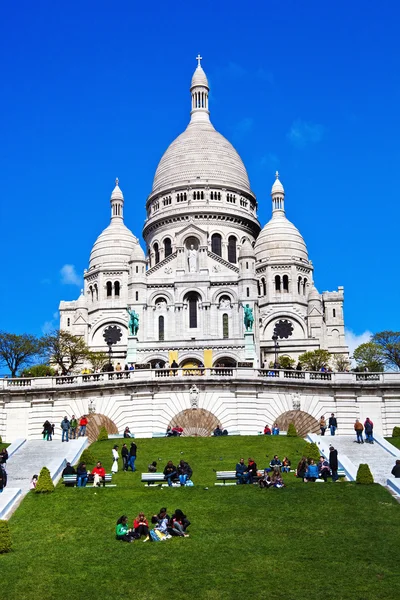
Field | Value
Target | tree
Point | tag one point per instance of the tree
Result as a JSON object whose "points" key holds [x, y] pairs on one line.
{"points": [[369, 356], [103, 435], [285, 362], [389, 344], [364, 475], [314, 360], [17, 351], [312, 451], [45, 483], [396, 431], [87, 457], [341, 363], [97, 359], [38, 371], [65, 350], [291, 432]]}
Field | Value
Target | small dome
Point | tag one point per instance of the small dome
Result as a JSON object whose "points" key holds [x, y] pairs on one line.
{"points": [[246, 250], [199, 78], [280, 240], [81, 302], [314, 294], [117, 193], [114, 246], [277, 187], [137, 254]]}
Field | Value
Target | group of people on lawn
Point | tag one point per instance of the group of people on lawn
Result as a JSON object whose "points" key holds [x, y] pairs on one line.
{"points": [[250, 474], [165, 527]]}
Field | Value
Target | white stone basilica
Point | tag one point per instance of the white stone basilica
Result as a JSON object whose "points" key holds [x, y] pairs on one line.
{"points": [[206, 257]]}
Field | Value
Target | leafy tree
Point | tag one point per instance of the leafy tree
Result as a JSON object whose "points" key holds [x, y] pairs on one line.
{"points": [[312, 451], [38, 371], [103, 435], [285, 362], [87, 457], [97, 359], [314, 360], [17, 351], [364, 475], [45, 483], [341, 363], [395, 433], [389, 344], [291, 432], [5, 537], [65, 350], [369, 356]]}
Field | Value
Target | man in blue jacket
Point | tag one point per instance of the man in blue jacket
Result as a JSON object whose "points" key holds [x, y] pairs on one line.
{"points": [[242, 472]]}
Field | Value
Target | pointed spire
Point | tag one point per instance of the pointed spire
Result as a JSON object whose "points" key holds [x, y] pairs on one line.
{"points": [[278, 195], [117, 202], [199, 90]]}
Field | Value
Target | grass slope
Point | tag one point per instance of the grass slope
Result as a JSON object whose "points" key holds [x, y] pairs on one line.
{"points": [[335, 541], [395, 441]]}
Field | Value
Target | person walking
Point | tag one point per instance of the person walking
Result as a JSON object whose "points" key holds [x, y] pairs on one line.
{"points": [[333, 462], [82, 425], [368, 428], [322, 425], [125, 457], [65, 429], [132, 456], [358, 428], [73, 424], [114, 467], [332, 424]]}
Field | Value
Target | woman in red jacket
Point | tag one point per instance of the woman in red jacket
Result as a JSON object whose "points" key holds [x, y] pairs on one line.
{"points": [[141, 527]]}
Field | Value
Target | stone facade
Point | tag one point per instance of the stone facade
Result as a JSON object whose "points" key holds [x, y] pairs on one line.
{"points": [[206, 257]]}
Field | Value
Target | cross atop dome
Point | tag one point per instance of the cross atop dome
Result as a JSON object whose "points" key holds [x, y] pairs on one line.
{"points": [[117, 180], [199, 58]]}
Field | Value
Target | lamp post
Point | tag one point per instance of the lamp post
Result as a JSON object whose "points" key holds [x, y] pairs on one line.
{"points": [[276, 348]]}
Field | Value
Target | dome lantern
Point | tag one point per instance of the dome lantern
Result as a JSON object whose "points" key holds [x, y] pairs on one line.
{"points": [[199, 90], [278, 195], [117, 202]]}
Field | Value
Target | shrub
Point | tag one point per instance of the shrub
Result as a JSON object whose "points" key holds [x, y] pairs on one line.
{"points": [[1, 439], [44, 484], [103, 435], [87, 457], [395, 433], [285, 362], [312, 451], [38, 371], [291, 432], [5, 537], [364, 475]]}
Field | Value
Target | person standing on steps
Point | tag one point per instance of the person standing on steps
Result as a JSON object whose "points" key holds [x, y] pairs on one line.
{"points": [[132, 456], [332, 424], [368, 428], [322, 425], [358, 428], [65, 429], [334, 463], [82, 425], [73, 424]]}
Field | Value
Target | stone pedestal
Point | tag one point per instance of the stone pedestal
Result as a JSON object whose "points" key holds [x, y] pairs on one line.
{"points": [[249, 346], [132, 349]]}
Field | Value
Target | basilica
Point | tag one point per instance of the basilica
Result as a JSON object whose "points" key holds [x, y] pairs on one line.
{"points": [[207, 260]]}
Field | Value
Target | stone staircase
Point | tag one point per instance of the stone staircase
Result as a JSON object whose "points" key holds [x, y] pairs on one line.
{"points": [[28, 459]]}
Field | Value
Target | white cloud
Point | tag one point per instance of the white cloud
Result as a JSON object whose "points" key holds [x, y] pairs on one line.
{"points": [[353, 340], [302, 134], [69, 276]]}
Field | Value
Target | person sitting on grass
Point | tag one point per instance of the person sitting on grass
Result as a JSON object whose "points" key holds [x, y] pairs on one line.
{"points": [[217, 431], [177, 431], [127, 432], [141, 527], [251, 470], [323, 468], [178, 524], [185, 472], [122, 532], [33, 482], [242, 475], [161, 521], [275, 429], [99, 474], [69, 470], [302, 468], [81, 475], [265, 480], [170, 472], [267, 430], [286, 464], [275, 463], [152, 468], [312, 471], [276, 479]]}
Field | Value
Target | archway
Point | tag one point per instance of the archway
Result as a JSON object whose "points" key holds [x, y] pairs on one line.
{"points": [[195, 422], [225, 361], [303, 422], [95, 423]]}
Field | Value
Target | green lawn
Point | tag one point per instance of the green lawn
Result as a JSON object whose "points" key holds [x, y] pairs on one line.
{"points": [[306, 541], [395, 441]]}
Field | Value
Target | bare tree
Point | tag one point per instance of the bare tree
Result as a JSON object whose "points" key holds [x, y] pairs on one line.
{"points": [[65, 350]]}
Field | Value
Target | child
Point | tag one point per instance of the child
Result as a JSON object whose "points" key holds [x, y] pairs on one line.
{"points": [[277, 480]]}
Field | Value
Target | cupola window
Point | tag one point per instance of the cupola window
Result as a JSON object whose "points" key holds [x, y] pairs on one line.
{"points": [[109, 289], [277, 283]]}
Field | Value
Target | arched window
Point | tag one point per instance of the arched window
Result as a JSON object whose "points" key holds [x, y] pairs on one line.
{"points": [[156, 254], [264, 287], [285, 279], [167, 247], [192, 299], [232, 249], [109, 289], [225, 326], [137, 269], [160, 329], [277, 283], [216, 244], [91, 292], [116, 288], [248, 292], [96, 290], [299, 285], [259, 287], [334, 312], [137, 296], [304, 286]]}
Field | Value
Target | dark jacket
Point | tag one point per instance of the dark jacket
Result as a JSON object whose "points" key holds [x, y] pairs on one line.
{"points": [[368, 426], [252, 469], [396, 471], [124, 451], [169, 470], [333, 460], [332, 422], [69, 471], [3, 456], [185, 469], [133, 449], [81, 472], [240, 469], [3, 478]]}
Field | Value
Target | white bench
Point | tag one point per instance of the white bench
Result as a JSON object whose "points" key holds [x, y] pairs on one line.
{"points": [[159, 434], [230, 476], [73, 478], [154, 479]]}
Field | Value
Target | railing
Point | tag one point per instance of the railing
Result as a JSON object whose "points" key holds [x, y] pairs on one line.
{"points": [[144, 375]]}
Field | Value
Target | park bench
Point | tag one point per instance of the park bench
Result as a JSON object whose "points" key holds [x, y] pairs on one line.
{"points": [[73, 479], [225, 476], [158, 434], [157, 479]]}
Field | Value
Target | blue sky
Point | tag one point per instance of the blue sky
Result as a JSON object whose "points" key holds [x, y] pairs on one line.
{"points": [[96, 90]]}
